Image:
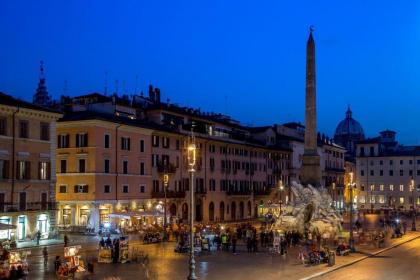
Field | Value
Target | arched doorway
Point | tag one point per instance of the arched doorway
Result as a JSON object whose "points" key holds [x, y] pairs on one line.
{"points": [[233, 211], [172, 209], [185, 211], [249, 214], [241, 210], [222, 211], [211, 211], [199, 210]]}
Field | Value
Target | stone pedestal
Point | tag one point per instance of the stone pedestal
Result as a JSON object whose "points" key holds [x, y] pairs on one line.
{"points": [[310, 171]]}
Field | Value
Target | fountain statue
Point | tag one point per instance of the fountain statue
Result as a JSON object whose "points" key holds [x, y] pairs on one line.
{"points": [[311, 211]]}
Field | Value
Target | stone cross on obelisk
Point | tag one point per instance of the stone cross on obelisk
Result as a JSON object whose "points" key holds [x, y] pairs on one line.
{"points": [[310, 172]]}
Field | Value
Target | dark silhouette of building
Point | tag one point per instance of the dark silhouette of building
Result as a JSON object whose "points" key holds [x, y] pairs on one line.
{"points": [[348, 133], [41, 96]]}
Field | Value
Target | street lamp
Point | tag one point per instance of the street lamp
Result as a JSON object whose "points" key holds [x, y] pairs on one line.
{"points": [[191, 155], [165, 187], [413, 225], [281, 187], [351, 239]]}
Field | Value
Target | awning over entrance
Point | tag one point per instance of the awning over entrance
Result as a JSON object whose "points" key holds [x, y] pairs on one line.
{"points": [[6, 226], [128, 215]]}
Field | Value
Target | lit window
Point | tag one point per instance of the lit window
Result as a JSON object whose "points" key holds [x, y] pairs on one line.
{"points": [[43, 171], [381, 188], [372, 199], [381, 199], [401, 188], [362, 199], [401, 200], [372, 188], [391, 187]]}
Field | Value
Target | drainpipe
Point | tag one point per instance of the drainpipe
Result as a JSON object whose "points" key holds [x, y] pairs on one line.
{"points": [[116, 162], [13, 155]]}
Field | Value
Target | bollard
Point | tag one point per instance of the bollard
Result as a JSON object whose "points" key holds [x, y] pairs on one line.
{"points": [[331, 258]]}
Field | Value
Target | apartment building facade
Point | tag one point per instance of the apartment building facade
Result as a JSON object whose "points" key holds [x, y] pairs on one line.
{"points": [[27, 168], [388, 174]]}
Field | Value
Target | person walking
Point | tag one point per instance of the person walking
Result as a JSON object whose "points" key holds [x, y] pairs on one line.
{"points": [[234, 240], [66, 240], [38, 237], [45, 254]]}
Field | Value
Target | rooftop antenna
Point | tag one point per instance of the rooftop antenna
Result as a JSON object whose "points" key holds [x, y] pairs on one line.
{"points": [[135, 86], [106, 83]]}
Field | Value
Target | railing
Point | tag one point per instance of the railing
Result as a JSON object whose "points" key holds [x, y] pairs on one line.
{"points": [[201, 191], [169, 194], [30, 206]]}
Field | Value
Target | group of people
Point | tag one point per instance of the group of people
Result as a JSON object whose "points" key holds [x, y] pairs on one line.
{"points": [[114, 245]]}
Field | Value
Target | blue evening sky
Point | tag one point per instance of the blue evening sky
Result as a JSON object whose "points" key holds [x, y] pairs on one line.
{"points": [[242, 58]]}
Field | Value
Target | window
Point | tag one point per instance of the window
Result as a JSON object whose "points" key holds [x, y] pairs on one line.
{"points": [[44, 171], [82, 165], [177, 144], [410, 162], [391, 172], [63, 141], [106, 141], [362, 199], [381, 188], [107, 189], [372, 199], [142, 146], [381, 173], [381, 162], [401, 200], [401, 162], [165, 142], [410, 172], [4, 169], [372, 173], [3, 126], [401, 188], [45, 131], [401, 172], [372, 188], [62, 189], [81, 189], [155, 160], [142, 188], [23, 169], [106, 166], [125, 143], [81, 140], [155, 141], [418, 172], [125, 167], [362, 173], [372, 151], [391, 187], [142, 171], [23, 129], [362, 188], [381, 199], [63, 166], [125, 188]]}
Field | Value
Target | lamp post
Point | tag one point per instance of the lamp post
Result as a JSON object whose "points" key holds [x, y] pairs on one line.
{"points": [[165, 187], [413, 225], [281, 187], [351, 239], [191, 155]]}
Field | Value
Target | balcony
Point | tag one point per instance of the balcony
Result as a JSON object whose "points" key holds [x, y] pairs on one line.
{"points": [[30, 206], [166, 168], [201, 191], [169, 194], [262, 192], [239, 192]]}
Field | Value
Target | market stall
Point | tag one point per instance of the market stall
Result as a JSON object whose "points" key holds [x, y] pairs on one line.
{"points": [[72, 266], [14, 263]]}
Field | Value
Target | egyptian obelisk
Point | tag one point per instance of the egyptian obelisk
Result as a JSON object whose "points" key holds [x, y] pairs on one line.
{"points": [[310, 172]]}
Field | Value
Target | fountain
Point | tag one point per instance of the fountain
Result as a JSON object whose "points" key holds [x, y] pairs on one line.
{"points": [[311, 211]]}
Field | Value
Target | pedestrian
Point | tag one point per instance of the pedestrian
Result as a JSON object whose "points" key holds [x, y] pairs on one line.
{"points": [[38, 237], [234, 240], [404, 227], [45, 254], [66, 240], [57, 263]]}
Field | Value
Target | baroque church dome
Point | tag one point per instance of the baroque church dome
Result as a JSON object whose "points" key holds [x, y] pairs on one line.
{"points": [[349, 126]]}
